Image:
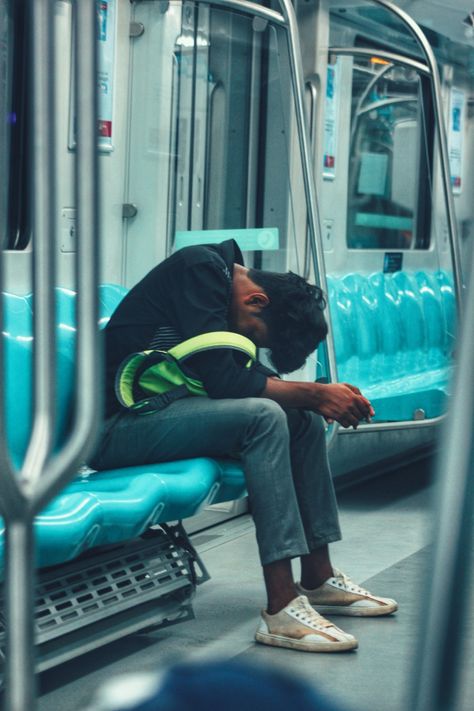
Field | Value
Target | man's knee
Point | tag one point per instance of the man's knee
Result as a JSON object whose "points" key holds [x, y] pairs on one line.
{"points": [[303, 423], [265, 411]]}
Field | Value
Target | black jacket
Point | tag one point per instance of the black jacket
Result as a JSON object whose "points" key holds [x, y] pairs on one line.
{"points": [[186, 295]]}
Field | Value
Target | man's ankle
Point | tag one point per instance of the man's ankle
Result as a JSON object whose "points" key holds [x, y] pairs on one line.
{"points": [[314, 582], [276, 605]]}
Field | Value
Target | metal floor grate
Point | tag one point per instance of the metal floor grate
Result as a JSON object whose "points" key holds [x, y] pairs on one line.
{"points": [[149, 580]]}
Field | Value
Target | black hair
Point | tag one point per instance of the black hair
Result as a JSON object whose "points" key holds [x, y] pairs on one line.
{"points": [[294, 317]]}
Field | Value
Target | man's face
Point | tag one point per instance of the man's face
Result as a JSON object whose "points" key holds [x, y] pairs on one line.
{"points": [[245, 317], [257, 330]]}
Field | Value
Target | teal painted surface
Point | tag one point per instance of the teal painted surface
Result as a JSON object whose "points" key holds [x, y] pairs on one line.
{"points": [[263, 239], [231, 481], [394, 339], [386, 222], [101, 507]]}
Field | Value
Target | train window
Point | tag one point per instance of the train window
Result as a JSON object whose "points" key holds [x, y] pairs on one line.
{"points": [[218, 131], [14, 132], [390, 158]]}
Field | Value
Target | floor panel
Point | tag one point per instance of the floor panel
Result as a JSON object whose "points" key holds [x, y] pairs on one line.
{"points": [[387, 527]]}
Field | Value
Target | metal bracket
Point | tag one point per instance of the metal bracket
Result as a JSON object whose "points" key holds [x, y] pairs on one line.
{"points": [[129, 210], [177, 534], [137, 29]]}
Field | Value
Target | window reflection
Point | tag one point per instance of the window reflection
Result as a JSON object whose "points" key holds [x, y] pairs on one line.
{"points": [[389, 159]]}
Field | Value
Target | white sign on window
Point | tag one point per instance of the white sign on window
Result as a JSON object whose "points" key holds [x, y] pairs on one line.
{"points": [[106, 50], [455, 137], [331, 121], [105, 77]]}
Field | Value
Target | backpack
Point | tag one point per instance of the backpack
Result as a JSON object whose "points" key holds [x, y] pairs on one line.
{"points": [[148, 381]]}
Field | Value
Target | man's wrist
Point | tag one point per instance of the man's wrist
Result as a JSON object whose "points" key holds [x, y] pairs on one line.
{"points": [[290, 393]]}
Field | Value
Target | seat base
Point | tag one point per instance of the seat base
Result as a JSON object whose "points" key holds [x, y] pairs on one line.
{"points": [[110, 593]]}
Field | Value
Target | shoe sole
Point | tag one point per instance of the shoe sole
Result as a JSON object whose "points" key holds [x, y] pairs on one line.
{"points": [[274, 640], [350, 611]]}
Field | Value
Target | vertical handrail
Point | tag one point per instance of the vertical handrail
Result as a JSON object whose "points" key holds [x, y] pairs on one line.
{"points": [[44, 472], [87, 395], [313, 96], [314, 223], [254, 124], [20, 691], [43, 193], [440, 650]]}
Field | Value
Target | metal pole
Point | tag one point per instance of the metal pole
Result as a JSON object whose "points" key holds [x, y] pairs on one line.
{"points": [[87, 395], [19, 572], [43, 186], [440, 650], [43, 474], [20, 682], [314, 223]]}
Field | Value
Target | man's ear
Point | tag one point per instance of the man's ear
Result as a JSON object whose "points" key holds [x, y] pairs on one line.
{"points": [[257, 298]]}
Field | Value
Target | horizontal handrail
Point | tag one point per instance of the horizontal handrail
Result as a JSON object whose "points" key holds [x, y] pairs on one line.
{"points": [[392, 57]]}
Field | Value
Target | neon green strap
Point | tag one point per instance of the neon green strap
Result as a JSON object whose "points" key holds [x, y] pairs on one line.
{"points": [[169, 372], [211, 340]]}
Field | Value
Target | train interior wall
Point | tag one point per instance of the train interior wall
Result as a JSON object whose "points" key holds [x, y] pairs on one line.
{"points": [[139, 169], [204, 138]]}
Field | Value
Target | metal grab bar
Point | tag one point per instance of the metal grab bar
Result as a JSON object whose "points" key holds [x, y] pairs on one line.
{"points": [[44, 231], [442, 142], [44, 472], [314, 223], [312, 89], [15, 490], [88, 397], [440, 650]]}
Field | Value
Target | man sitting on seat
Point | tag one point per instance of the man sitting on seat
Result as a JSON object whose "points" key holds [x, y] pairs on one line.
{"points": [[276, 426]]}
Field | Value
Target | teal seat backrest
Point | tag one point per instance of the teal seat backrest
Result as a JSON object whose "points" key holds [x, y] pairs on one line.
{"points": [[394, 333], [18, 341]]}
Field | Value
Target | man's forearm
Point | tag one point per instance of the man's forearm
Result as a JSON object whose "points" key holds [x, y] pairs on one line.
{"points": [[292, 393], [334, 401]]}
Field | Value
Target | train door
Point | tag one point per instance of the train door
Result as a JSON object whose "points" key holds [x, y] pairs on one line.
{"points": [[392, 272], [212, 137]]}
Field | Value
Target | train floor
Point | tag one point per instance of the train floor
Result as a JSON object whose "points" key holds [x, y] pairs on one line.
{"points": [[387, 525]]}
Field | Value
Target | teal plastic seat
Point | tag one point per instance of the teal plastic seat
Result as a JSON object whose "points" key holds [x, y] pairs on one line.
{"points": [[394, 336], [17, 315], [97, 508], [231, 481]]}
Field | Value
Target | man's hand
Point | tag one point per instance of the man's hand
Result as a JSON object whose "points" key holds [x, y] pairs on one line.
{"points": [[345, 404], [334, 401]]}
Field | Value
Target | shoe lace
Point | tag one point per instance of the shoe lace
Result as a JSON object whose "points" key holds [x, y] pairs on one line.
{"points": [[344, 581], [306, 614]]}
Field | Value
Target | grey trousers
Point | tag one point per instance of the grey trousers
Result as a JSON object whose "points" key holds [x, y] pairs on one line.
{"points": [[283, 454]]}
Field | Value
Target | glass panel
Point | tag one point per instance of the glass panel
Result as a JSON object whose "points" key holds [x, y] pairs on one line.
{"points": [[5, 110], [235, 173], [14, 211], [386, 200]]}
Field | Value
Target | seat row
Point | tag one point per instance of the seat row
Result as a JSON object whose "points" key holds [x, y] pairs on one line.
{"points": [[394, 336], [98, 508]]}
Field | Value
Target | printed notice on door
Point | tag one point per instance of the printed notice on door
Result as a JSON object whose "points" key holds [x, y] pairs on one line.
{"points": [[455, 137], [331, 119]]}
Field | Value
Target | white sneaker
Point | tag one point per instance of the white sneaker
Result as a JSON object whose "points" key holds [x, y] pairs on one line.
{"points": [[340, 596], [298, 626]]}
